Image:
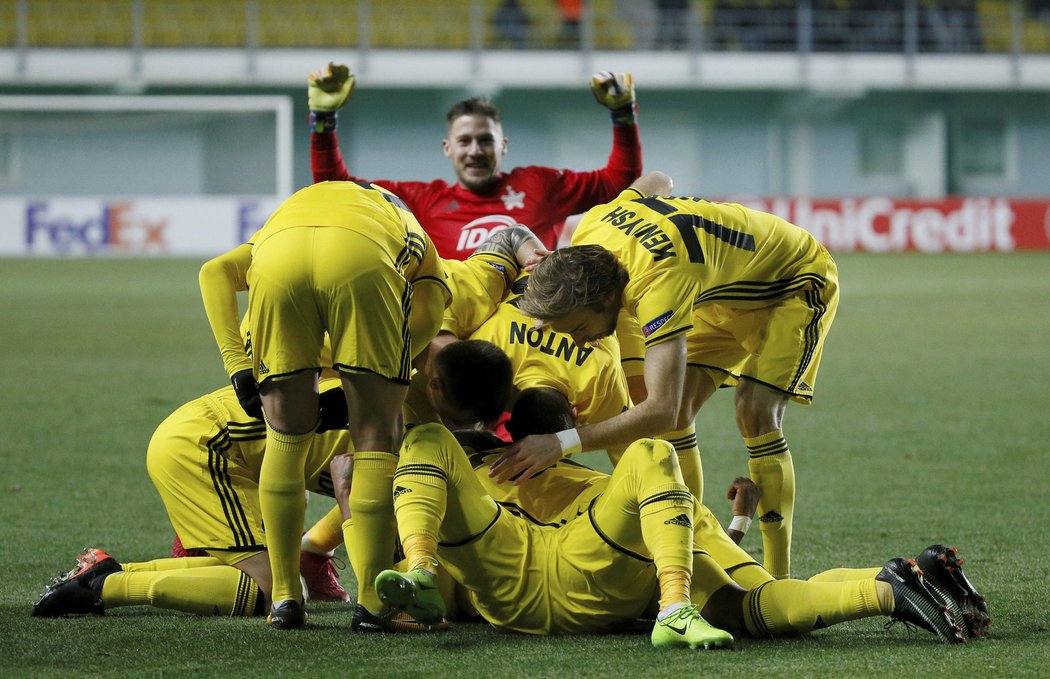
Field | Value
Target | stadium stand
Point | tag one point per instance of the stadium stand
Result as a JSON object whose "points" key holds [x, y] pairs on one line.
{"points": [[935, 26]]}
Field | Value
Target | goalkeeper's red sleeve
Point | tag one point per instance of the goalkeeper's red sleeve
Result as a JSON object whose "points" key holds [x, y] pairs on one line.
{"points": [[625, 159], [325, 159]]}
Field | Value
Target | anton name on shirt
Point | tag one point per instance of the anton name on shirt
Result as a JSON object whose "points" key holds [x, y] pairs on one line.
{"points": [[551, 343]]}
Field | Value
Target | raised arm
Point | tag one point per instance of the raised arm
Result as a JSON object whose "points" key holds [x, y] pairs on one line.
{"points": [[328, 89], [615, 91]]}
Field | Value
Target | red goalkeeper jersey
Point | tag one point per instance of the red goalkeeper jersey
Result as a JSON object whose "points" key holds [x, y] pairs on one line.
{"points": [[459, 220]]}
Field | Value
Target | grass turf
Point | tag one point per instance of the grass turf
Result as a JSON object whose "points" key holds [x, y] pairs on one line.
{"points": [[930, 425]]}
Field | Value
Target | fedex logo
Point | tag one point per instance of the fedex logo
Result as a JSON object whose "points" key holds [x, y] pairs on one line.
{"points": [[116, 228]]}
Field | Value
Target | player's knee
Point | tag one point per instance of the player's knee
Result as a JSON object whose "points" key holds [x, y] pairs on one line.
{"points": [[758, 409], [428, 441], [648, 453]]}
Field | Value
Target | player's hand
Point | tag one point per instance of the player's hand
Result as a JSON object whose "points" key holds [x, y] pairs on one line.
{"points": [[614, 91], [329, 88], [526, 458], [332, 410], [533, 259], [247, 390], [745, 495]]}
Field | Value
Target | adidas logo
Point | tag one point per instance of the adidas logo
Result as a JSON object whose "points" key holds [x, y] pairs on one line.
{"points": [[680, 520], [770, 517], [401, 490], [804, 387], [263, 370]]}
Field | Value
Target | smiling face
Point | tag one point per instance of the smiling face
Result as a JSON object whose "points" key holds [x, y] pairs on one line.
{"points": [[476, 147]]}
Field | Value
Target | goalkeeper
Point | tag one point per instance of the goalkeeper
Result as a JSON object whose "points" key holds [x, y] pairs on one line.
{"points": [[458, 217]]}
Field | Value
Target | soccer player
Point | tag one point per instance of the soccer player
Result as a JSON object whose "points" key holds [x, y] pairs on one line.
{"points": [[599, 570], [205, 461], [484, 307], [349, 260], [589, 375], [722, 295], [484, 199]]}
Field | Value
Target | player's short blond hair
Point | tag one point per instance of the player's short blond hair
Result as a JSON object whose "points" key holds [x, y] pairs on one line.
{"points": [[578, 277]]}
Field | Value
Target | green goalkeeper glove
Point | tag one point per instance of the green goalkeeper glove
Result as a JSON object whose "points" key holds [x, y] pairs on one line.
{"points": [[327, 90], [615, 91]]}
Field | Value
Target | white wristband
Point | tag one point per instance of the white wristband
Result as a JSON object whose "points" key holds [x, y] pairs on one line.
{"points": [[570, 441], [740, 523]]}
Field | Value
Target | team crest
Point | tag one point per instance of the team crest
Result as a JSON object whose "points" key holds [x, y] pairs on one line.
{"points": [[513, 199]]}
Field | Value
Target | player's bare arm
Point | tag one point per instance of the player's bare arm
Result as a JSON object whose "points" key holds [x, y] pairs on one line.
{"points": [[664, 377]]}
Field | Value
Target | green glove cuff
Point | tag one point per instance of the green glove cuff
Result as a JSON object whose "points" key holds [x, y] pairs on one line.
{"points": [[628, 115], [323, 121]]}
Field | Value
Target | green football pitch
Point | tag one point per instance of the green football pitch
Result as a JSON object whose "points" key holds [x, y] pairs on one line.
{"points": [[931, 424]]}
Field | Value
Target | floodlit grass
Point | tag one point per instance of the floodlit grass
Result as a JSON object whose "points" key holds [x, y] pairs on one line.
{"points": [[931, 424]]}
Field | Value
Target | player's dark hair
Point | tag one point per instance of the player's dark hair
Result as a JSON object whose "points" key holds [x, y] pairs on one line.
{"points": [[478, 440], [540, 410], [476, 376], [475, 106]]}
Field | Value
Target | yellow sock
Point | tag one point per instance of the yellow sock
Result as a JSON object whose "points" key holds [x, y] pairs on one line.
{"points": [[845, 574], [685, 444], [180, 563], [325, 535], [371, 531], [794, 606], [772, 469], [421, 552], [208, 590], [749, 575], [674, 586], [282, 489]]}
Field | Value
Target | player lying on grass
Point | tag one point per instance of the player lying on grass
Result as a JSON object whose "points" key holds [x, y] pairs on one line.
{"points": [[641, 534], [205, 460]]}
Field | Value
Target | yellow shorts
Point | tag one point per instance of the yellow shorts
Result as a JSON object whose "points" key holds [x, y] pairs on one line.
{"points": [[212, 503], [204, 459], [778, 345], [306, 280]]}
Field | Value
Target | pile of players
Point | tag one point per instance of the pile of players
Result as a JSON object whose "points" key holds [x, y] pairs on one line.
{"points": [[376, 308]]}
